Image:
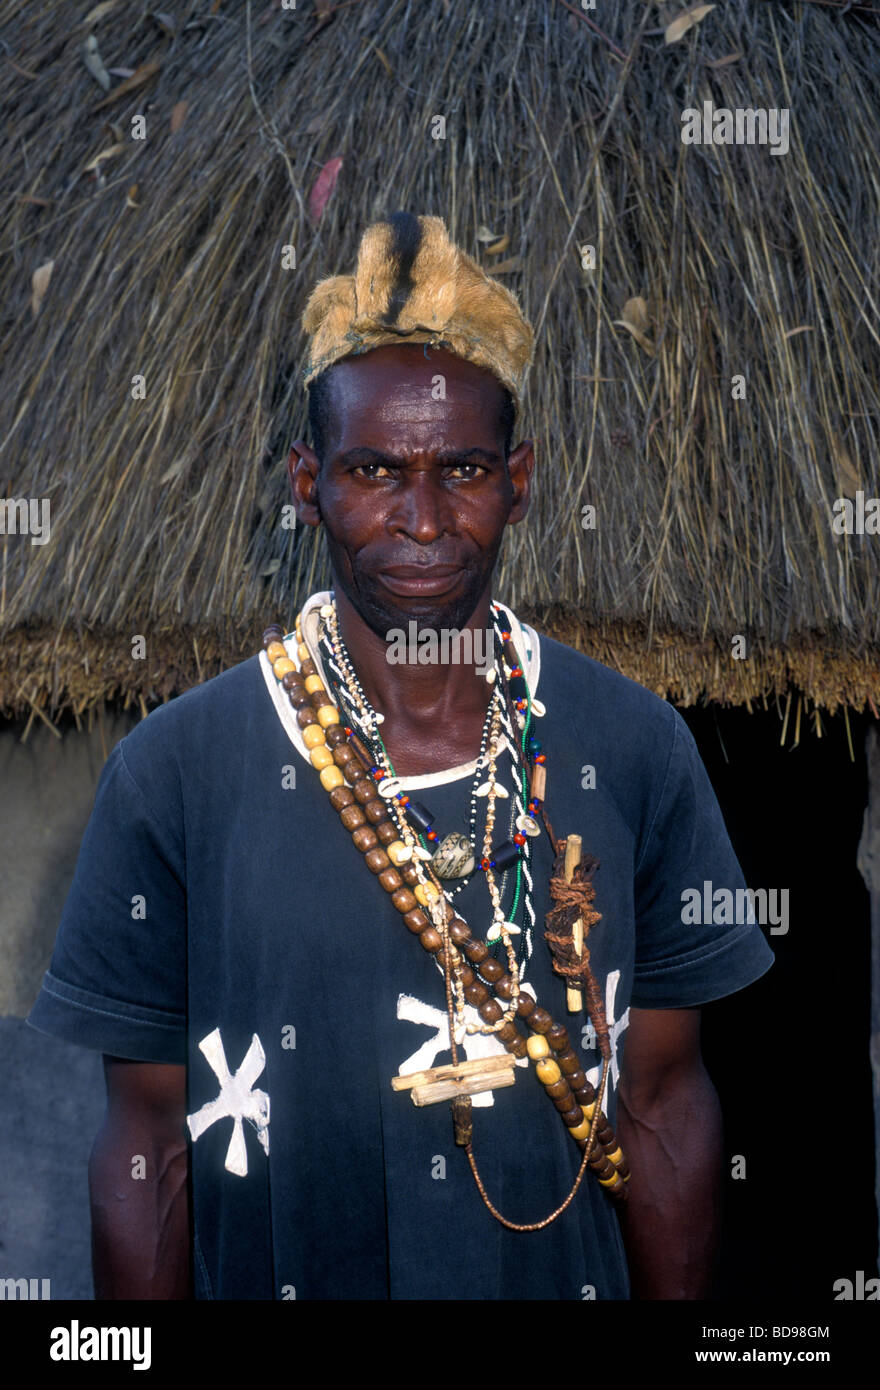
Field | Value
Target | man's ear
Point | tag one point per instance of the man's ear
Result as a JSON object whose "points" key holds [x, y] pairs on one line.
{"points": [[520, 463], [303, 465]]}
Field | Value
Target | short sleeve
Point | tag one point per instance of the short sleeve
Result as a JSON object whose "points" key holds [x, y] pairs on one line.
{"points": [[696, 934], [117, 978]]}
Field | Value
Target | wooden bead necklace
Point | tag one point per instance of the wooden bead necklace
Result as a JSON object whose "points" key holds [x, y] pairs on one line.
{"points": [[393, 855]]}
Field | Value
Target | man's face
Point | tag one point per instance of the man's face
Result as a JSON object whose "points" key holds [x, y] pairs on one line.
{"points": [[414, 491]]}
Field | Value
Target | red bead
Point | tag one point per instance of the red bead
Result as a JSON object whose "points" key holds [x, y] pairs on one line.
{"points": [[430, 834], [349, 731], [517, 671], [505, 636], [541, 758], [485, 864], [404, 800], [519, 838]]}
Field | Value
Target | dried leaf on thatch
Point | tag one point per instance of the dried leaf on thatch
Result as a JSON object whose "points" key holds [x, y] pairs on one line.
{"points": [[109, 153], [178, 116], [723, 62], [505, 267], [140, 75], [165, 21], [94, 63], [498, 246], [383, 58], [173, 472], [635, 319], [99, 11], [484, 234], [39, 285], [323, 187], [685, 21]]}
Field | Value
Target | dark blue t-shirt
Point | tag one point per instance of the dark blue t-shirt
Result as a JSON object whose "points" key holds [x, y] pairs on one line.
{"points": [[219, 901]]}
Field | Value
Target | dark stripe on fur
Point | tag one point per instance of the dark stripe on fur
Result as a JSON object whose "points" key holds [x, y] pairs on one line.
{"points": [[405, 243]]}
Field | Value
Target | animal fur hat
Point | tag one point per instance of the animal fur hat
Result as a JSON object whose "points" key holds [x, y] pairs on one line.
{"points": [[412, 284]]}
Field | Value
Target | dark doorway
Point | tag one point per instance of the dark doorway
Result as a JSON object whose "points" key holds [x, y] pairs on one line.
{"points": [[790, 1056]]}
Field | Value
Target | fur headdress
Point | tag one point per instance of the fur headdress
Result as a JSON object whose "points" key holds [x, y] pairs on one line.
{"points": [[412, 284]]}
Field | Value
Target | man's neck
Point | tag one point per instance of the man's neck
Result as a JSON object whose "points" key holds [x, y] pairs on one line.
{"points": [[433, 713]]}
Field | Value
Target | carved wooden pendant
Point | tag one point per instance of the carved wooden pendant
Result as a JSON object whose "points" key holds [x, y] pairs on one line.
{"points": [[466, 1079], [463, 1121], [574, 994]]}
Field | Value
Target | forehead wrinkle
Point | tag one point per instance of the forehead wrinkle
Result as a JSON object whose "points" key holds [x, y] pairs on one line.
{"points": [[363, 453]]}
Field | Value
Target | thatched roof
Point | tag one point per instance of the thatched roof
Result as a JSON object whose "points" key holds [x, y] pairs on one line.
{"points": [[563, 129]]}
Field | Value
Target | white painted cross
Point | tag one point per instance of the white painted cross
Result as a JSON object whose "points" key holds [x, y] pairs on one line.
{"points": [[615, 1028], [236, 1099], [475, 1044]]}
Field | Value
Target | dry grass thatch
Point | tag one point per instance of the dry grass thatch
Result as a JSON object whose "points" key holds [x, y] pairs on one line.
{"points": [[713, 514]]}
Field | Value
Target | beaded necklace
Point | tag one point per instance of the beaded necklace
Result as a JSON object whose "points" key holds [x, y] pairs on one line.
{"points": [[354, 699], [380, 831]]}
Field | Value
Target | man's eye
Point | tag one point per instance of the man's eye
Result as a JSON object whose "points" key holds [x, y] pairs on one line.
{"points": [[466, 470], [373, 470]]}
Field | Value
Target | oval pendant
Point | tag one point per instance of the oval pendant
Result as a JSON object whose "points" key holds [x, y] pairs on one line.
{"points": [[538, 709], [454, 856], [388, 787], [528, 825]]}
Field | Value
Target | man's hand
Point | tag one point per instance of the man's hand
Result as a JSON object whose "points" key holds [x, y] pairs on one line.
{"points": [[669, 1125], [140, 1225]]}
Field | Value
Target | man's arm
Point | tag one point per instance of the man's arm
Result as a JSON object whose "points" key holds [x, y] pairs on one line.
{"points": [[669, 1125], [140, 1225]]}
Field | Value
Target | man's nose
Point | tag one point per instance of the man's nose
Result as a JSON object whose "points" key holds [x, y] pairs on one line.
{"points": [[422, 509]]}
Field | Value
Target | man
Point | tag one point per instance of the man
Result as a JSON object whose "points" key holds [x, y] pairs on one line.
{"points": [[254, 989]]}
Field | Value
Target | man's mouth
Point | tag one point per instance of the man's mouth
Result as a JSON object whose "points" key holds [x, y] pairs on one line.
{"points": [[415, 580]]}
